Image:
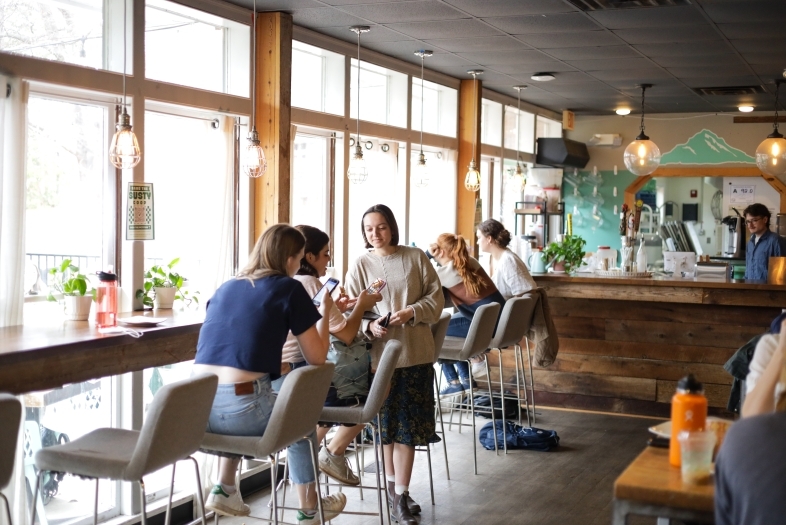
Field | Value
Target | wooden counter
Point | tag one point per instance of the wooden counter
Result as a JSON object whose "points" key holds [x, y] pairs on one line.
{"points": [[42, 355], [624, 343]]}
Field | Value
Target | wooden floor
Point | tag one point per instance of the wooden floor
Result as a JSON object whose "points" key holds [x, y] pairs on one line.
{"points": [[570, 485]]}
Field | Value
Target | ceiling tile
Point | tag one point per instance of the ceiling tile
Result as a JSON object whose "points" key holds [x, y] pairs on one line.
{"points": [[661, 35], [582, 53], [706, 48], [611, 63], [532, 68], [737, 69], [506, 57], [753, 30], [404, 12], [447, 60], [355, 2], [469, 45], [402, 49], [577, 39], [282, 5], [699, 61], [760, 46], [445, 29], [631, 74], [748, 10], [648, 17], [377, 34], [324, 17], [717, 81], [490, 8], [559, 23], [769, 71], [586, 85]]}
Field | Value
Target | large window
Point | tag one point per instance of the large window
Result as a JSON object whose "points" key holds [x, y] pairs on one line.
{"points": [[65, 187], [192, 48], [491, 123], [312, 159], [383, 95], [317, 79], [439, 108], [429, 214], [524, 135], [548, 128]]}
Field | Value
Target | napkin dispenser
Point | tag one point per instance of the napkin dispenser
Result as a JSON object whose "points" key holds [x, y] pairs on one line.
{"points": [[713, 271]]}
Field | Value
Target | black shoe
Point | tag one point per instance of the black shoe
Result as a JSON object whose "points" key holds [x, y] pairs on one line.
{"points": [[401, 513], [414, 508]]}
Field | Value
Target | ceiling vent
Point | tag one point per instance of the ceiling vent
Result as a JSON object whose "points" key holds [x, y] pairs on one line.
{"points": [[605, 5], [730, 90]]}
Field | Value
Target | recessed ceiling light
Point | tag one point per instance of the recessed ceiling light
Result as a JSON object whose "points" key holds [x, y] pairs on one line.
{"points": [[745, 109], [623, 111], [542, 77]]}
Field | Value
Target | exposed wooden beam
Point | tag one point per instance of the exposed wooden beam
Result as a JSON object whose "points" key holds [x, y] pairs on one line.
{"points": [[758, 120], [469, 134], [273, 117], [633, 189]]}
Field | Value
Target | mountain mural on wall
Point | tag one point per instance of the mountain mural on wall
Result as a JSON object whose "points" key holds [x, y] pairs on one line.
{"points": [[705, 147]]}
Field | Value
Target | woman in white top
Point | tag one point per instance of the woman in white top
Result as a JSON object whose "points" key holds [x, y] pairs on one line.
{"points": [[509, 273]]}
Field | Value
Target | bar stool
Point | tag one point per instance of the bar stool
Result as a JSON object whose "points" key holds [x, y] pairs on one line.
{"points": [[10, 421], [514, 323], [295, 414], [439, 330], [459, 349], [176, 422], [365, 413]]}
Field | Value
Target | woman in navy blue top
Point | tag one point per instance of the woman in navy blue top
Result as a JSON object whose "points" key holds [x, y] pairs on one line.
{"points": [[246, 324]]}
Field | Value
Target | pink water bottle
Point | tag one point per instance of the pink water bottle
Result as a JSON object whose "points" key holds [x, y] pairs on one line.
{"points": [[106, 300]]}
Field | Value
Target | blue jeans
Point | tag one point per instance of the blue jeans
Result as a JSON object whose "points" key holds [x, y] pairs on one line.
{"points": [[455, 371], [248, 415]]}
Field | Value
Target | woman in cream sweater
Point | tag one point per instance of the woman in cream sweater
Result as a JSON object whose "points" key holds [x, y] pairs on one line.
{"points": [[413, 296]]}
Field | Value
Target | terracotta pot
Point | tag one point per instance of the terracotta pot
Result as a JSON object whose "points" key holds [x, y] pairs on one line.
{"points": [[164, 297], [77, 307], [558, 266]]}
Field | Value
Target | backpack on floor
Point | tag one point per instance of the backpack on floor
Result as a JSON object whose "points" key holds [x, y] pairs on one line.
{"points": [[518, 437], [353, 363], [482, 401]]}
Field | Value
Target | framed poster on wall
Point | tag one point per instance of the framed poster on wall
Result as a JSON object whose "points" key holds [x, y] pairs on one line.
{"points": [[140, 221]]}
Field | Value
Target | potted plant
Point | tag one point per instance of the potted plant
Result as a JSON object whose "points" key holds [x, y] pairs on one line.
{"points": [[166, 287], [66, 281], [565, 255]]}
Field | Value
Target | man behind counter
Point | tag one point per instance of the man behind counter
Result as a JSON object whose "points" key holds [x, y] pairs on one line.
{"points": [[763, 243]]}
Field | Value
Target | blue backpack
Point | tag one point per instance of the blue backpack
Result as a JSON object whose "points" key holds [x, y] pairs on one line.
{"points": [[518, 437]]}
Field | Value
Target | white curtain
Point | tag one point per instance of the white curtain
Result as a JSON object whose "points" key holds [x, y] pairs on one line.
{"points": [[225, 199], [13, 112]]}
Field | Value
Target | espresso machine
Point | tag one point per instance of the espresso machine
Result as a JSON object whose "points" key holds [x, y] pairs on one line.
{"points": [[735, 248]]}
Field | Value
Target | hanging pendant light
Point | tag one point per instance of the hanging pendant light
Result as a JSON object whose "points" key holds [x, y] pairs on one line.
{"points": [[420, 172], [518, 178], [642, 156], [771, 153], [472, 179], [357, 172], [124, 150], [252, 158]]}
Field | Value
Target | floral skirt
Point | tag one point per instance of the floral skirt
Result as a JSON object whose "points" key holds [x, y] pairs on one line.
{"points": [[408, 411]]}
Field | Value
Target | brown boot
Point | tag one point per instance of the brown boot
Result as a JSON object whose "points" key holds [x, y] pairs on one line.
{"points": [[401, 512], [414, 508]]}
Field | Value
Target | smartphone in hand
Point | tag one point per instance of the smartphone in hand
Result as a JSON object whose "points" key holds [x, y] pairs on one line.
{"points": [[376, 286], [385, 321], [327, 288]]}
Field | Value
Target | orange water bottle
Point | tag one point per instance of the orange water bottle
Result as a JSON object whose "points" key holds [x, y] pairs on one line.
{"points": [[106, 300], [688, 412]]}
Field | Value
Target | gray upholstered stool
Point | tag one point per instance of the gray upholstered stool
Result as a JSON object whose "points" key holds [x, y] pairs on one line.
{"points": [[514, 323], [295, 414], [364, 413], [176, 422], [10, 420], [478, 339]]}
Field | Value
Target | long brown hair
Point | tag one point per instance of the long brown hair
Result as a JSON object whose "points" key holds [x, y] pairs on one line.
{"points": [[455, 247], [271, 253], [387, 214]]}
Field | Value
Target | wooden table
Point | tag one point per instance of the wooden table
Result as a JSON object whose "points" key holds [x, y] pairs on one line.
{"points": [[650, 486]]}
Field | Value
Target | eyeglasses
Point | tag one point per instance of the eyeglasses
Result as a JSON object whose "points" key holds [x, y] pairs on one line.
{"points": [[751, 222]]}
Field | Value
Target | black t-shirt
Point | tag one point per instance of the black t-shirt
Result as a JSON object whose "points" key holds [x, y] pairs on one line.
{"points": [[246, 325]]}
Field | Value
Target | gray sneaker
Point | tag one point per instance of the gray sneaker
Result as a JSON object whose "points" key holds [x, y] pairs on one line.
{"points": [[337, 467]]}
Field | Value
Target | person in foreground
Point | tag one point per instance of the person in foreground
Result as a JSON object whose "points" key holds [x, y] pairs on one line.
{"points": [[468, 287], [246, 324], [763, 243], [313, 265], [413, 297]]}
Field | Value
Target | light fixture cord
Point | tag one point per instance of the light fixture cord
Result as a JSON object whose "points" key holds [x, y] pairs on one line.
{"points": [[643, 89], [475, 129], [357, 135], [518, 128], [422, 100], [125, 24], [254, 67], [777, 92]]}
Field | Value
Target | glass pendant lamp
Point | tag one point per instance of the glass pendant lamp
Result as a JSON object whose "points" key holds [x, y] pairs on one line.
{"points": [[124, 150], [472, 179], [771, 153], [420, 172], [357, 172], [642, 156], [252, 158]]}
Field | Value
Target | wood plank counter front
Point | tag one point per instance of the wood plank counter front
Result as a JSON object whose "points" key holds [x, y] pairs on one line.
{"points": [[624, 343], [43, 356]]}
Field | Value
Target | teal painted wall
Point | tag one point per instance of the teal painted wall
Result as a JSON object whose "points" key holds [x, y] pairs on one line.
{"points": [[607, 234]]}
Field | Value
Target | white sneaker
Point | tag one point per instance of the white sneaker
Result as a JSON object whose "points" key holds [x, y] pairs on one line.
{"points": [[337, 467], [226, 504], [479, 367], [332, 506]]}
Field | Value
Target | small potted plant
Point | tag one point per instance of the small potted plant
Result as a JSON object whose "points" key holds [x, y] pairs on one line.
{"points": [[166, 287], [565, 256], [66, 281]]}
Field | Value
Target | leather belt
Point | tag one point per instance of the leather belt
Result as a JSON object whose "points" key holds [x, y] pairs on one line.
{"points": [[244, 389]]}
